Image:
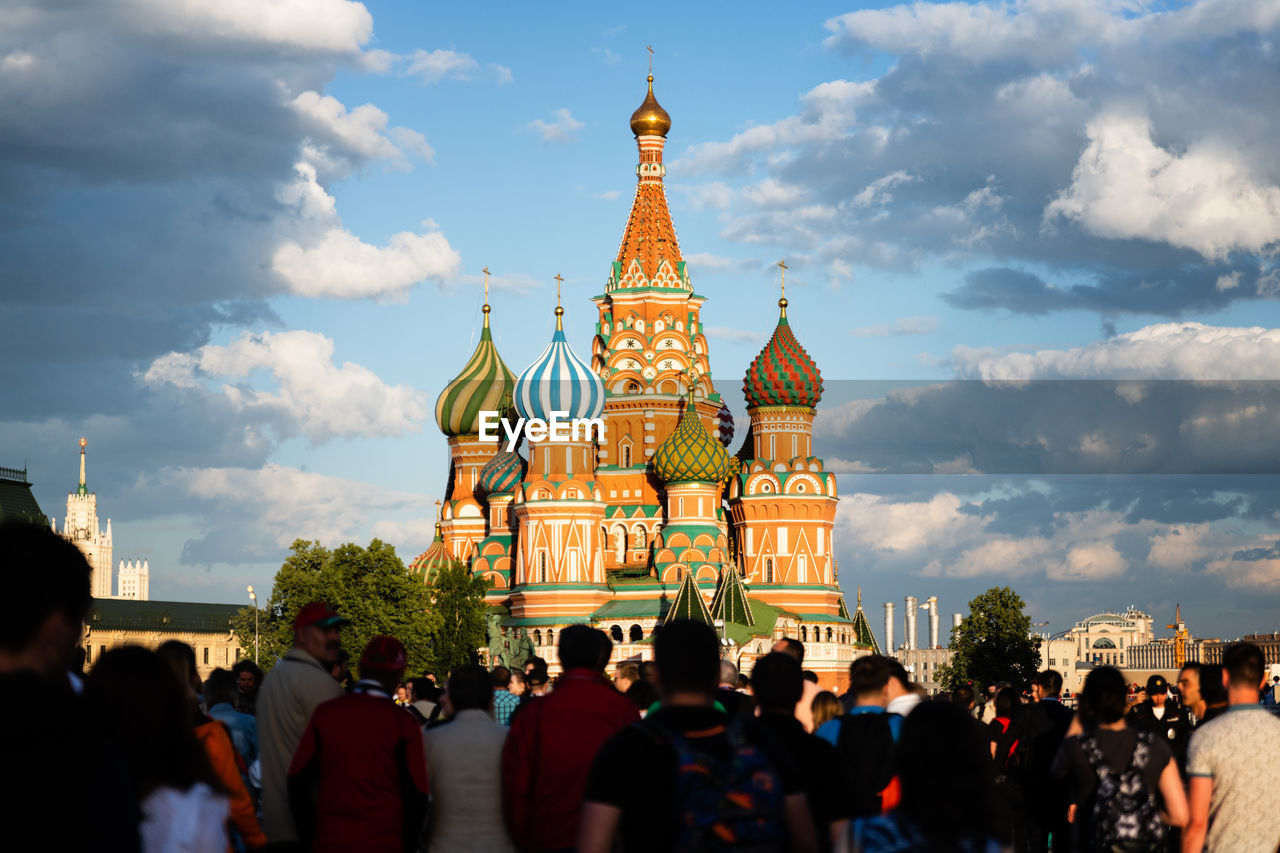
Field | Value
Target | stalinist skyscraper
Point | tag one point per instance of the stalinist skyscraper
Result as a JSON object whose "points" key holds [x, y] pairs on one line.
{"points": [[81, 528]]}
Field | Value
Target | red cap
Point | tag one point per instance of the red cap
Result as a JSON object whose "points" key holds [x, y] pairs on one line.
{"points": [[320, 614], [384, 655]]}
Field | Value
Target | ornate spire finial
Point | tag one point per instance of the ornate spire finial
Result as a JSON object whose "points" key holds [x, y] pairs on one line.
{"points": [[649, 48], [82, 489], [559, 310], [859, 598], [485, 309], [782, 303]]}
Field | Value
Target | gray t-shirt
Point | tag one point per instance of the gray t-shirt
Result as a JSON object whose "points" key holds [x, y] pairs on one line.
{"points": [[1235, 750]]}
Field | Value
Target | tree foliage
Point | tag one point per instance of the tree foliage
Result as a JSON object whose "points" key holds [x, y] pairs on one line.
{"points": [[457, 602], [370, 586], [993, 643]]}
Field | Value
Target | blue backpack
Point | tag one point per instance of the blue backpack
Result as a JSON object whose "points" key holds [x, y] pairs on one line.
{"points": [[724, 803]]}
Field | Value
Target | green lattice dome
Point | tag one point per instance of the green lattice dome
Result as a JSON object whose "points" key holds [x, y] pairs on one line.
{"points": [[690, 454], [485, 384]]}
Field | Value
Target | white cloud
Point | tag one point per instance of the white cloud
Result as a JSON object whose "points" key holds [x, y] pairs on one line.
{"points": [[1125, 186], [902, 326], [1040, 31], [608, 57], [432, 66], [311, 394], [738, 336], [18, 60], [1091, 561], [774, 193], [877, 192], [254, 514], [905, 526], [337, 26], [363, 131], [1161, 351], [827, 113], [1181, 546], [609, 195], [560, 129], [337, 264], [716, 195], [501, 74]]}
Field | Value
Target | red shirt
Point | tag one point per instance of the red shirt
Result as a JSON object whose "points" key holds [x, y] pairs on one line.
{"points": [[363, 756], [548, 755]]}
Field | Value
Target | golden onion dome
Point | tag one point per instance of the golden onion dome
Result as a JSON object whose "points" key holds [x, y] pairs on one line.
{"points": [[651, 119]]}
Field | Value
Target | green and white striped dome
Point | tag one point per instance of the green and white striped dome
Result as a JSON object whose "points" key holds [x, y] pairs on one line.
{"points": [[485, 384]]}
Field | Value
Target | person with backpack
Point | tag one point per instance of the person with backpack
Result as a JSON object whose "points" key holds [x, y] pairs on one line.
{"points": [[865, 737], [778, 683], [1124, 789], [948, 798], [684, 779]]}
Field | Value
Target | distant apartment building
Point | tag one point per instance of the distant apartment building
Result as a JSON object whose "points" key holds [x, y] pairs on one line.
{"points": [[1104, 639]]}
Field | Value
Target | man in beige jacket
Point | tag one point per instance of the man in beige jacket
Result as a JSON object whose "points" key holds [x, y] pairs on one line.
{"points": [[295, 686]]}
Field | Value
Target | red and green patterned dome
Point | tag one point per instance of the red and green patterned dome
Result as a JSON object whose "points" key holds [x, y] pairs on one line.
{"points": [[689, 454], [502, 473], [429, 563], [782, 374]]}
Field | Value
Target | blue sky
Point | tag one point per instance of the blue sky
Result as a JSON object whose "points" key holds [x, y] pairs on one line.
{"points": [[240, 249]]}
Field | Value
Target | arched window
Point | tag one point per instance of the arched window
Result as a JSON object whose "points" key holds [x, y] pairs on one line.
{"points": [[624, 455], [542, 567], [828, 635], [616, 632], [537, 637], [551, 637], [633, 387], [636, 634], [620, 544], [768, 571], [804, 634], [640, 538]]}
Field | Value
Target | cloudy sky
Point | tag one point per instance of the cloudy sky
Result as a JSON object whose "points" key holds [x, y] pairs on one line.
{"points": [[1032, 247]]}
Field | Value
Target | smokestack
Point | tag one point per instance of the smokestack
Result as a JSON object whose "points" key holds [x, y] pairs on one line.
{"points": [[888, 628], [913, 604], [932, 605]]}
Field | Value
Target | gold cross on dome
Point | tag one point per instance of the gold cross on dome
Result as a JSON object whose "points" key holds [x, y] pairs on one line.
{"points": [[649, 48], [782, 265], [439, 515], [559, 281], [486, 284]]}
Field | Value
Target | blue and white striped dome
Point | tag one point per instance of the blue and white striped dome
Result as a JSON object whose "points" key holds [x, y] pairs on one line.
{"points": [[558, 381]]}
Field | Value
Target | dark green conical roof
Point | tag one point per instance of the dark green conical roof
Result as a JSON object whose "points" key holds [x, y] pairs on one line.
{"points": [[688, 603], [730, 601]]}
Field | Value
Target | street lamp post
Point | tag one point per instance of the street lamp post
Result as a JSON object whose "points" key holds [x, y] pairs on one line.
{"points": [[253, 596]]}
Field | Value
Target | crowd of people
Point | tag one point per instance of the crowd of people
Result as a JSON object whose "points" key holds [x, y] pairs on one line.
{"points": [[679, 753]]}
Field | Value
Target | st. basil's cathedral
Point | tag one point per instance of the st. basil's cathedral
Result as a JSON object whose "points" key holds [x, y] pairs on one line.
{"points": [[657, 519]]}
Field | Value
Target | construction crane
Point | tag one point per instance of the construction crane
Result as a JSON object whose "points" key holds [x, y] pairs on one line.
{"points": [[1179, 637]]}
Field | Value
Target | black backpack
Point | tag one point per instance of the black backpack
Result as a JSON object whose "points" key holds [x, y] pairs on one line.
{"points": [[1125, 812], [865, 744]]}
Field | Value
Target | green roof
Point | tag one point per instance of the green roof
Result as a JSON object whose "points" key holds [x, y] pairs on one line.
{"points": [[16, 500], [862, 631], [688, 603], [167, 617], [730, 601], [552, 621], [629, 510], [644, 608], [809, 616]]}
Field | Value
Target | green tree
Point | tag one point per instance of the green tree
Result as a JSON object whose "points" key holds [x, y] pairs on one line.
{"points": [[457, 601], [370, 586], [993, 643]]}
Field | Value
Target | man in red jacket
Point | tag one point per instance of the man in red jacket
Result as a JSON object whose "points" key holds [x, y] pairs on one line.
{"points": [[358, 780], [553, 742]]}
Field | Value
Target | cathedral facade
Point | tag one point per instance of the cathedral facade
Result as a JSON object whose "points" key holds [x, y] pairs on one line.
{"points": [[657, 518]]}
